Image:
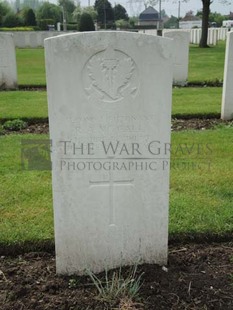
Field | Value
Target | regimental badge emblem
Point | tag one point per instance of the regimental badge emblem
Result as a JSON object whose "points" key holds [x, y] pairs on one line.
{"points": [[110, 75]]}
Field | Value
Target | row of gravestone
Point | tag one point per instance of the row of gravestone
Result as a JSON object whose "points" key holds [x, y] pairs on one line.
{"points": [[180, 56], [180, 59], [109, 98], [35, 39], [214, 34]]}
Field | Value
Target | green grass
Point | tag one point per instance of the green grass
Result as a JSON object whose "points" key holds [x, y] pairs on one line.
{"points": [[25, 196], [201, 196], [196, 101], [23, 104], [206, 64], [30, 66], [186, 101], [201, 182]]}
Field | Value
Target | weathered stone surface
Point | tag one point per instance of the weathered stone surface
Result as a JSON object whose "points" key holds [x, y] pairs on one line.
{"points": [[109, 99], [8, 69], [227, 96], [180, 55]]}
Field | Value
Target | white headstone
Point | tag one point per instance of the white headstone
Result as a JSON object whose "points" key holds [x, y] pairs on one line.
{"points": [[180, 55], [109, 96], [58, 26], [212, 36], [8, 70], [227, 96]]}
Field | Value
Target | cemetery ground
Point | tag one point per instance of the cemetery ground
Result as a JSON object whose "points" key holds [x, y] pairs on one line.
{"points": [[199, 274]]}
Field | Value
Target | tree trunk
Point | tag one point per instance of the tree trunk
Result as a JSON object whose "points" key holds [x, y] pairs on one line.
{"points": [[205, 22]]}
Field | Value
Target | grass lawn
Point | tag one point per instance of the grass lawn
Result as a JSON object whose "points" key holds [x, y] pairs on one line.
{"points": [[186, 101], [23, 104], [30, 66], [25, 196], [196, 101], [201, 196], [204, 64]]}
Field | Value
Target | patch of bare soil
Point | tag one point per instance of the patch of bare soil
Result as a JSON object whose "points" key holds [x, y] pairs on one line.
{"points": [[197, 277], [177, 125], [197, 124]]}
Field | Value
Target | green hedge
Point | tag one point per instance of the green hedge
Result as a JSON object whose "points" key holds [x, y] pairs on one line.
{"points": [[17, 29]]}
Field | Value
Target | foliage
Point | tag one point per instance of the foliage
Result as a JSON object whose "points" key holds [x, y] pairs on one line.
{"points": [[4, 10], [17, 28], [29, 17], [105, 12], [77, 13], [68, 6], [214, 17], [43, 23], [90, 10], [205, 13], [172, 22], [12, 20], [14, 125], [117, 287], [217, 18], [80, 10], [120, 12], [49, 11], [86, 23], [72, 26], [122, 24], [133, 21]]}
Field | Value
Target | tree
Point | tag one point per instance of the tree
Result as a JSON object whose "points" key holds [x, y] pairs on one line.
{"points": [[68, 6], [172, 22], [133, 21], [105, 12], [205, 22], [4, 10], [120, 12], [122, 24], [12, 20], [77, 13], [90, 10], [79, 10], [205, 19], [49, 11], [86, 22], [29, 17], [217, 18]]}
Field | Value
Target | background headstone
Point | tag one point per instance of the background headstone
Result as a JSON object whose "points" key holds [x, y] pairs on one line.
{"points": [[8, 69], [180, 55], [227, 96], [109, 96]]}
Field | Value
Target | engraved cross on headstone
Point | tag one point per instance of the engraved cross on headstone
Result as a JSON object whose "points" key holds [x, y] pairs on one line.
{"points": [[111, 183], [110, 65]]}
